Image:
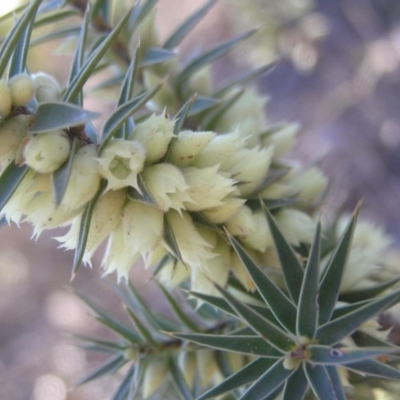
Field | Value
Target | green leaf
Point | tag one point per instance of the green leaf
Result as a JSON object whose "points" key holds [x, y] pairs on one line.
{"points": [[345, 309], [61, 33], [107, 320], [84, 229], [318, 354], [155, 56], [239, 344], [291, 267], [59, 115], [247, 374], [202, 103], [10, 179], [124, 386], [274, 204], [307, 311], [332, 332], [368, 293], [183, 30], [270, 332], [267, 382], [211, 55], [139, 14], [144, 195], [295, 386], [332, 277], [102, 345], [170, 241], [122, 113], [182, 114], [179, 380], [17, 32], [61, 176], [90, 64], [143, 331], [282, 308], [364, 339], [320, 382], [53, 16], [336, 382], [109, 367], [375, 368]]}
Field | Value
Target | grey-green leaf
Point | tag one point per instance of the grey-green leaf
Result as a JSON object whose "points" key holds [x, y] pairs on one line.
{"points": [[202, 103], [375, 368], [179, 380], [59, 115], [295, 386], [155, 56], [320, 382], [124, 386]]}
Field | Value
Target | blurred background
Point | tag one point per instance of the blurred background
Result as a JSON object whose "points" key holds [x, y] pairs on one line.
{"points": [[337, 72]]}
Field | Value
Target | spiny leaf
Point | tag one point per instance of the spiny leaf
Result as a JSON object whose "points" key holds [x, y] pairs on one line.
{"points": [[320, 382], [375, 368], [267, 382], [274, 204], [247, 374], [108, 346], [170, 240], [183, 30], [202, 103], [139, 14], [307, 311], [295, 386], [143, 331], [291, 267], [331, 279], [10, 179], [13, 38], [334, 331], [179, 380], [143, 195], [155, 56], [88, 67], [50, 17], [283, 309], [58, 115], [124, 386]]}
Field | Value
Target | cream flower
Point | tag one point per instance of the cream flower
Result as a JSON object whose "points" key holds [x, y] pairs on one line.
{"points": [[173, 273], [283, 139], [154, 133], [154, 375], [242, 223], [167, 185], [227, 210], [22, 89], [120, 163], [261, 239]]}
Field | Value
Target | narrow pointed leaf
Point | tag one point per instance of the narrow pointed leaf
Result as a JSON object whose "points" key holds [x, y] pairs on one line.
{"points": [[144, 195], [270, 332], [369, 293], [334, 331], [109, 367], [13, 38], [179, 381], [122, 113], [128, 83], [61, 176], [275, 204], [139, 13], [90, 64], [170, 240], [108, 346], [182, 114], [320, 382], [123, 388], [364, 339], [332, 277], [336, 382], [291, 267], [247, 374], [143, 331], [331, 356], [61, 33], [307, 311], [239, 344], [296, 385], [268, 382], [211, 55], [348, 308], [51, 17], [10, 179], [202, 103], [183, 30], [375, 368], [156, 56], [283, 309], [59, 115]]}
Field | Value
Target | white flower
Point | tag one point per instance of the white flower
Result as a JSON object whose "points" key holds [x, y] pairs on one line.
{"points": [[22, 89], [46, 87], [207, 188], [154, 133], [167, 185], [120, 163]]}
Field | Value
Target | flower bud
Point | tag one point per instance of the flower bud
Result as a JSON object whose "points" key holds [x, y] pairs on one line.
{"points": [[167, 185], [84, 180], [46, 152], [5, 99], [173, 273], [22, 89], [120, 163], [46, 87], [154, 376], [207, 367], [12, 133], [261, 238], [187, 145], [200, 81], [283, 140], [220, 214], [242, 223], [154, 133], [207, 188], [241, 272]]}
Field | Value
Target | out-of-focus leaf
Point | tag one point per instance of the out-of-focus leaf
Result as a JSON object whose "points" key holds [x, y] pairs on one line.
{"points": [[122, 113], [307, 310], [274, 204], [61, 176], [283, 309], [364, 339], [108, 346], [139, 13], [15, 34], [59, 115], [247, 374], [182, 114], [90, 64], [332, 277], [202, 103], [55, 16], [110, 366], [183, 30], [375, 368], [143, 331], [10, 179], [179, 380], [61, 33], [336, 381], [155, 56], [332, 332], [320, 382], [124, 386], [295, 386]]}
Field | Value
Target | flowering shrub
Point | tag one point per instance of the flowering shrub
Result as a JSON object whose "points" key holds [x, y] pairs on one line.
{"points": [[195, 181]]}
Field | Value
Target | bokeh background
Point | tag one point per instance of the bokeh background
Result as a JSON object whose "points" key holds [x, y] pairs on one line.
{"points": [[336, 71]]}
